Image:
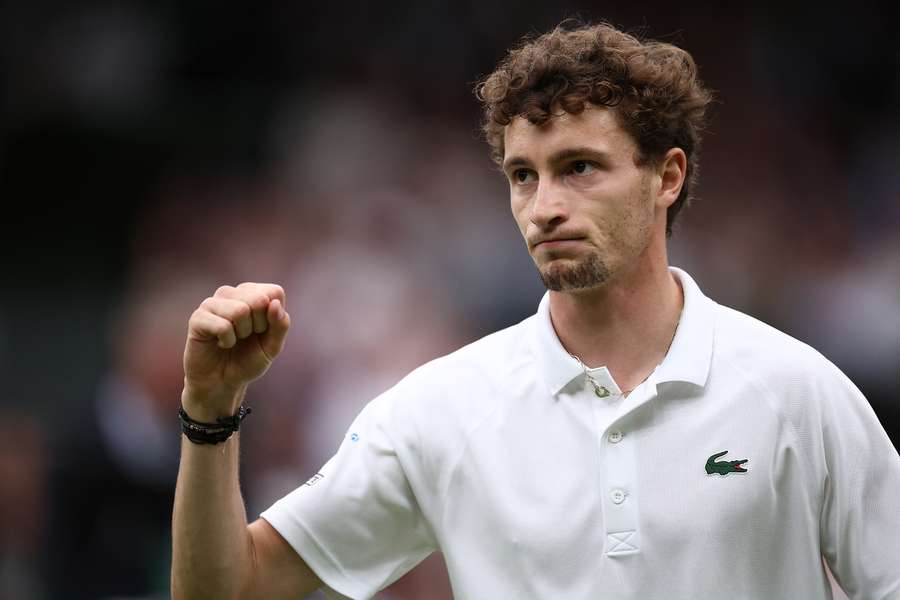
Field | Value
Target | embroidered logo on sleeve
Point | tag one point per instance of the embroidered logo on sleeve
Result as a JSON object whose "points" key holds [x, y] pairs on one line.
{"points": [[724, 467], [314, 480]]}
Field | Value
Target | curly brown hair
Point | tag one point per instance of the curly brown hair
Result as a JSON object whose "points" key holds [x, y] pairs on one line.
{"points": [[653, 86]]}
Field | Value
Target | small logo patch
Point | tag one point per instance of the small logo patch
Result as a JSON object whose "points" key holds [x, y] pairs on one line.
{"points": [[314, 480], [354, 437], [724, 467]]}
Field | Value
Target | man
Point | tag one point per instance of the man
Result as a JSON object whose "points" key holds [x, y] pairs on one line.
{"points": [[633, 439]]}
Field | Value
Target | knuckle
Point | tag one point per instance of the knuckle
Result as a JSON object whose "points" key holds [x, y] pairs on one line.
{"points": [[259, 301], [223, 290], [242, 311]]}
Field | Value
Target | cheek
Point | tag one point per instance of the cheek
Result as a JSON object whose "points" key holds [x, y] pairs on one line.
{"points": [[622, 221], [519, 208], [636, 220]]}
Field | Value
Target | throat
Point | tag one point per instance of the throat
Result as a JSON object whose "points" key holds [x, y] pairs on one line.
{"points": [[630, 335]]}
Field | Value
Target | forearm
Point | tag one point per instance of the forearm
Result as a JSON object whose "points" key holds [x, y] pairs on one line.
{"points": [[233, 337], [211, 555]]}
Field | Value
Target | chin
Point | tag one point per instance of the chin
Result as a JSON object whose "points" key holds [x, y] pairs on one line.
{"points": [[571, 276]]}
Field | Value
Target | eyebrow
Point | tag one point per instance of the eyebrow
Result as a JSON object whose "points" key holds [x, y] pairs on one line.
{"points": [[559, 156]]}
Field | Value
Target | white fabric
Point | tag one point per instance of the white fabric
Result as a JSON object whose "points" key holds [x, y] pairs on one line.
{"points": [[501, 456]]}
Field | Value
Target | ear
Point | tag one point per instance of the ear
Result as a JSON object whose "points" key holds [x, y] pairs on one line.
{"points": [[672, 171]]}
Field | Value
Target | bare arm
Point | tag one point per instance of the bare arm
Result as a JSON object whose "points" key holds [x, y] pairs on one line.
{"points": [[232, 339], [216, 554]]}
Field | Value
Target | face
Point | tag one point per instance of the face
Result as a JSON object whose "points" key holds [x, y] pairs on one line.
{"points": [[586, 211]]}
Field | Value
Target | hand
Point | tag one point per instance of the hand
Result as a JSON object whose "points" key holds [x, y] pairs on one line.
{"points": [[233, 337]]}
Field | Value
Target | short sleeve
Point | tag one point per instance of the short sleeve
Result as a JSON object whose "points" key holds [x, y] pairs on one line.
{"points": [[356, 522], [860, 521]]}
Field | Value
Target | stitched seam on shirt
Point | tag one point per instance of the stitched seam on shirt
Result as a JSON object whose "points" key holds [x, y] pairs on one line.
{"points": [[433, 538], [523, 339], [768, 396], [890, 592], [622, 543], [453, 468]]}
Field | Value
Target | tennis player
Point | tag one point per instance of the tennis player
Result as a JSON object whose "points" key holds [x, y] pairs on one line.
{"points": [[633, 439]]}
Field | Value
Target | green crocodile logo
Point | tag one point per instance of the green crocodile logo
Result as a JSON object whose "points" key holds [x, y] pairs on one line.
{"points": [[725, 467]]}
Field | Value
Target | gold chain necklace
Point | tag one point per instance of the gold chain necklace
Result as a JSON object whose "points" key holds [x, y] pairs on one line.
{"points": [[601, 390]]}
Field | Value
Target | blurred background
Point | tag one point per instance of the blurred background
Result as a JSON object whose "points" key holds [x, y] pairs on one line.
{"points": [[152, 151]]}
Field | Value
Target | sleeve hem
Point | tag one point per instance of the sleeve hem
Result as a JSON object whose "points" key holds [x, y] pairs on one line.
{"points": [[316, 556]]}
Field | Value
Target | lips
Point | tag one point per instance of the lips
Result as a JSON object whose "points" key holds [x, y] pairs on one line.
{"points": [[560, 241]]}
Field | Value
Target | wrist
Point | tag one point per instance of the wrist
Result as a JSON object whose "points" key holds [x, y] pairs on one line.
{"points": [[208, 406], [211, 433]]}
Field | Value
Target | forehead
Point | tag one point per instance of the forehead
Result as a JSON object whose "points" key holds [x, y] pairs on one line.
{"points": [[595, 127]]}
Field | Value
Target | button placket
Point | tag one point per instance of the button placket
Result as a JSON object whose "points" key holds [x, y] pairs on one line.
{"points": [[618, 493], [621, 506]]}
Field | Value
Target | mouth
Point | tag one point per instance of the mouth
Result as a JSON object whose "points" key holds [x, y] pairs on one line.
{"points": [[558, 242]]}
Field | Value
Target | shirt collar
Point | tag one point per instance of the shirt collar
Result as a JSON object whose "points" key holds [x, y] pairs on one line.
{"points": [[688, 358]]}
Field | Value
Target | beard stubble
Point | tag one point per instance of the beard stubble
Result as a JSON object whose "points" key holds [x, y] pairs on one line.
{"points": [[587, 272]]}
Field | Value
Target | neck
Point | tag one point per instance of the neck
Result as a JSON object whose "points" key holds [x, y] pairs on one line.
{"points": [[626, 325]]}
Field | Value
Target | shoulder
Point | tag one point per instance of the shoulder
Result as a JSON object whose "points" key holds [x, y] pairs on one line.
{"points": [[748, 343], [455, 392], [759, 365], [431, 413], [477, 365], [795, 378]]}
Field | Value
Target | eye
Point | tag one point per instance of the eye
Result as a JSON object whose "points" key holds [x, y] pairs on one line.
{"points": [[582, 167], [523, 176]]}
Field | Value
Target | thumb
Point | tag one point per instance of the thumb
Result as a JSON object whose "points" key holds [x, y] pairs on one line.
{"points": [[272, 341]]}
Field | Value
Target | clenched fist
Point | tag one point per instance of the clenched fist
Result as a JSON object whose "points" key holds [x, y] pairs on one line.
{"points": [[232, 339]]}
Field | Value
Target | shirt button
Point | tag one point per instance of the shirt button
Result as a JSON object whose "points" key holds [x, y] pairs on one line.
{"points": [[618, 496], [615, 436]]}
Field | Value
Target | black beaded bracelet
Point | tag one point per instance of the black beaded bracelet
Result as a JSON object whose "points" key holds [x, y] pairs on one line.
{"points": [[211, 433]]}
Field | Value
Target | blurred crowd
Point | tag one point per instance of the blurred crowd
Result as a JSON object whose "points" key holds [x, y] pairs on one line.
{"points": [[155, 155]]}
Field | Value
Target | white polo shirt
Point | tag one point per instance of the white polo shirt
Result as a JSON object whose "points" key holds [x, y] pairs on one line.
{"points": [[742, 460]]}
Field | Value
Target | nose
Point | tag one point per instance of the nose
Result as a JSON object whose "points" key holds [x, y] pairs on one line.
{"points": [[549, 209]]}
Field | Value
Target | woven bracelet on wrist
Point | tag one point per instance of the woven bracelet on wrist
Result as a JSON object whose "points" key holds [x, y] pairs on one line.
{"points": [[211, 433]]}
